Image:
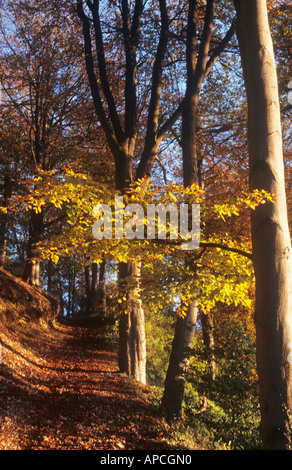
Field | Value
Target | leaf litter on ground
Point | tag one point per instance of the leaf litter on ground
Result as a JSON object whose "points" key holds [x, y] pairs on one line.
{"points": [[60, 389]]}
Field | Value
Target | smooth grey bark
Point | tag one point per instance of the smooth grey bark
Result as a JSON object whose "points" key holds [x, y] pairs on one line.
{"points": [[132, 340], [132, 335], [178, 366], [269, 225], [121, 141]]}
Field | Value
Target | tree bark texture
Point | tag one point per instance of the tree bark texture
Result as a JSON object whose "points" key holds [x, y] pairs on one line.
{"points": [[209, 342], [31, 272], [269, 225], [132, 340], [178, 365]]}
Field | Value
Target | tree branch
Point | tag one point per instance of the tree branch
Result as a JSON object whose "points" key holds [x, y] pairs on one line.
{"points": [[220, 48], [154, 105], [205, 41], [94, 7], [151, 143], [111, 138], [204, 46], [166, 127], [131, 38], [222, 246], [191, 40]]}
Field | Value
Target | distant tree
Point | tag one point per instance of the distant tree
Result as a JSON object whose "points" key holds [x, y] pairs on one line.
{"points": [[95, 289], [40, 78]]}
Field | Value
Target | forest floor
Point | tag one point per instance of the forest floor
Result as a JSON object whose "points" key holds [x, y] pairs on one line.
{"points": [[60, 389]]}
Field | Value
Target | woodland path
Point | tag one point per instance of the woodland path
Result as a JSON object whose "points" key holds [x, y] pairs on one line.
{"points": [[60, 389]]}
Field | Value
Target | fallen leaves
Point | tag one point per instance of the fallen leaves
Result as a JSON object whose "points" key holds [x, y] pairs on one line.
{"points": [[60, 389]]}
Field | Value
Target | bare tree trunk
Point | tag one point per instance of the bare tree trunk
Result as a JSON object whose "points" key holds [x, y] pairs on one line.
{"points": [[95, 289], [94, 286], [102, 289], [31, 273], [185, 327], [132, 340], [132, 336], [176, 376], [90, 273], [269, 225], [87, 290], [208, 338]]}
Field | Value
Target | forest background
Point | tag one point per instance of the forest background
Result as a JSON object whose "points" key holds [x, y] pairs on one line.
{"points": [[62, 148]]}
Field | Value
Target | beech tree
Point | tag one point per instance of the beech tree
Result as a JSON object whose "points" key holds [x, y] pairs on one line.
{"points": [[119, 120], [269, 225], [200, 57]]}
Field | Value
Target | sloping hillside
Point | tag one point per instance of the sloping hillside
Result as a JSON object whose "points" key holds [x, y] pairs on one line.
{"points": [[20, 301], [59, 383]]}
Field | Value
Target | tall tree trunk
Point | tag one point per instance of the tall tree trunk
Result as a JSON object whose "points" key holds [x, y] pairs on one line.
{"points": [[91, 288], [31, 272], [87, 290], [208, 338], [185, 327], [132, 336], [269, 225], [94, 277], [121, 138], [176, 376], [95, 289], [102, 289], [132, 340]]}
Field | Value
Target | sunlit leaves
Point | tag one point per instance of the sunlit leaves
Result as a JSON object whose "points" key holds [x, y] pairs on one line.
{"points": [[217, 271]]}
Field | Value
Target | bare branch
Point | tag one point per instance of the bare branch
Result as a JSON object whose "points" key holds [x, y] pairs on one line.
{"points": [[111, 138], [222, 246], [131, 38], [204, 45], [151, 142], [103, 71], [220, 48]]}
